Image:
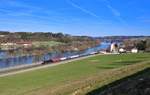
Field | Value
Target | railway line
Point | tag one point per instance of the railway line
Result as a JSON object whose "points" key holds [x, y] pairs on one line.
{"points": [[41, 65]]}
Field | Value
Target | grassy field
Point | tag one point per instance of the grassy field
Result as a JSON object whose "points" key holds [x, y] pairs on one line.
{"points": [[136, 84], [71, 77], [46, 43]]}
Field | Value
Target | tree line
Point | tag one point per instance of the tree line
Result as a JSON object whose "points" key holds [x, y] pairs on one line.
{"points": [[70, 43], [40, 36], [140, 44]]}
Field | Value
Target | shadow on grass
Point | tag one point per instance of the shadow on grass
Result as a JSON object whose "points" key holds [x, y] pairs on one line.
{"points": [[128, 62], [145, 72], [105, 67], [118, 64], [143, 57]]}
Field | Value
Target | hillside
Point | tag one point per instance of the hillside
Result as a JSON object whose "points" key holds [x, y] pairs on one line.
{"points": [[75, 78], [137, 84]]}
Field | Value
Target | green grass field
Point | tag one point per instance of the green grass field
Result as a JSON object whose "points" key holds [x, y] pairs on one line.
{"points": [[46, 43], [67, 77]]}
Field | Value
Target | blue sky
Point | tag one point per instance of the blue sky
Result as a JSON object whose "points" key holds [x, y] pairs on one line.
{"points": [[77, 17]]}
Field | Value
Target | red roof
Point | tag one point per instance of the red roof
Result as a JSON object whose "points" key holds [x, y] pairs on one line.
{"points": [[24, 43], [55, 59]]}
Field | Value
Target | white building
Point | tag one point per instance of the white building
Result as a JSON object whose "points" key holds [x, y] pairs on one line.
{"points": [[134, 50], [24, 44], [8, 46], [114, 48], [2, 35], [122, 50]]}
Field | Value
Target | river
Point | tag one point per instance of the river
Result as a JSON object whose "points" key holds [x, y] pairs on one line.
{"points": [[6, 61]]}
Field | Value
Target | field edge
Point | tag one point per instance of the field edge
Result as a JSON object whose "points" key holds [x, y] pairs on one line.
{"points": [[99, 80]]}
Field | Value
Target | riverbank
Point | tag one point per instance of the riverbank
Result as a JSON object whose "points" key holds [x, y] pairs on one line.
{"points": [[75, 78], [35, 66], [23, 60]]}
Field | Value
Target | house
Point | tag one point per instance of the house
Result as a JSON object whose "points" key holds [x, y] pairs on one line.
{"points": [[122, 50], [134, 50], [24, 44], [8, 46], [2, 36]]}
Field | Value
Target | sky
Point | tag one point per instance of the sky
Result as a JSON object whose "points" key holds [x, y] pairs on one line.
{"points": [[77, 17]]}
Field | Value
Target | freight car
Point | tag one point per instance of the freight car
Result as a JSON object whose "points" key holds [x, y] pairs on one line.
{"points": [[58, 59], [46, 62], [54, 60]]}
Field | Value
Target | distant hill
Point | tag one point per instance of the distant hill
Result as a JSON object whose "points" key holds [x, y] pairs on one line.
{"points": [[6, 36], [120, 38]]}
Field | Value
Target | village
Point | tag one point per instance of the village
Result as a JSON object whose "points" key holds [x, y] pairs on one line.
{"points": [[13, 46], [116, 48], [66, 58], [74, 47]]}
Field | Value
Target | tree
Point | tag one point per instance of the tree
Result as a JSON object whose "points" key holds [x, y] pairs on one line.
{"points": [[148, 45], [141, 45]]}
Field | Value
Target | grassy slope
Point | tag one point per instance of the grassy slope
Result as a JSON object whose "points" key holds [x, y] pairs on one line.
{"points": [[53, 77], [131, 85]]}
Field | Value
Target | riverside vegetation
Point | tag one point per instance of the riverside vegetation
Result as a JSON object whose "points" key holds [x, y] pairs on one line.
{"points": [[42, 43]]}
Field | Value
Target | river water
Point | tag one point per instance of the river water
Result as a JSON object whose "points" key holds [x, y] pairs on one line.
{"points": [[6, 61]]}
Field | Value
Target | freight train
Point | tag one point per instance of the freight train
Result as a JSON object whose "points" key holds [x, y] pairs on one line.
{"points": [[59, 59]]}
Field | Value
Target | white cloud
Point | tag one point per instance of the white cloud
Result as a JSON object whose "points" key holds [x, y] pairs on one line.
{"points": [[82, 9], [114, 11], [27, 11]]}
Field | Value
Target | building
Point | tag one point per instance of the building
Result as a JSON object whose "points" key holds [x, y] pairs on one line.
{"points": [[134, 50], [24, 44], [2, 36], [122, 50], [114, 48], [8, 46]]}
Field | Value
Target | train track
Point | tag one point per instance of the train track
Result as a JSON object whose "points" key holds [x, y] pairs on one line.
{"points": [[36, 66]]}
